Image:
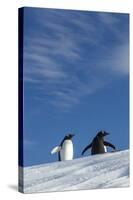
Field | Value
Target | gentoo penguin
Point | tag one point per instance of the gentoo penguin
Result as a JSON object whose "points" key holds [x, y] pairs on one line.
{"points": [[65, 149], [98, 145]]}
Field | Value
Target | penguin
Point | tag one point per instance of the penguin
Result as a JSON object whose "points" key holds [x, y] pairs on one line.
{"points": [[65, 149], [98, 145]]}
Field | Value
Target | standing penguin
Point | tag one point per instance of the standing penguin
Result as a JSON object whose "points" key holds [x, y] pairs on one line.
{"points": [[98, 145], [65, 149]]}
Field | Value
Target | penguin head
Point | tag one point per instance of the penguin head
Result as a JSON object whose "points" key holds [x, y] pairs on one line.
{"points": [[102, 134], [69, 136]]}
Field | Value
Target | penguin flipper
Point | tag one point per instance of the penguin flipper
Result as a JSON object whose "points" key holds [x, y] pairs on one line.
{"points": [[56, 149], [109, 145], [89, 146]]}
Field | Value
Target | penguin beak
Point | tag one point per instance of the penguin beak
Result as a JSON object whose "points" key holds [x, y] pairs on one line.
{"points": [[72, 135], [105, 134]]}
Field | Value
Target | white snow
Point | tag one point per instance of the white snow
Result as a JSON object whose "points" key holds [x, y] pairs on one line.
{"points": [[107, 170]]}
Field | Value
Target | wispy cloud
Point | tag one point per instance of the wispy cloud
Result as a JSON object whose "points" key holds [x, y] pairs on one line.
{"points": [[69, 52], [120, 59], [29, 144]]}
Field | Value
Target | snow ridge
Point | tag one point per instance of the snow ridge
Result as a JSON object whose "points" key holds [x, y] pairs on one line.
{"points": [[107, 170]]}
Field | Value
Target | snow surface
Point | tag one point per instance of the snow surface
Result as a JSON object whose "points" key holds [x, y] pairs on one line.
{"points": [[107, 170]]}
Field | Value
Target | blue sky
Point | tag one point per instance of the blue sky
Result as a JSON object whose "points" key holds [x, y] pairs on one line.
{"points": [[76, 79]]}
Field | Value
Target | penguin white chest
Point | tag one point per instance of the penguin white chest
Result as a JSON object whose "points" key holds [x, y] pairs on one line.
{"points": [[67, 150], [105, 149]]}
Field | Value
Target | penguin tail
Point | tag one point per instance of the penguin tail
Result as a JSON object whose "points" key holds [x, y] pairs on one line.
{"points": [[56, 149]]}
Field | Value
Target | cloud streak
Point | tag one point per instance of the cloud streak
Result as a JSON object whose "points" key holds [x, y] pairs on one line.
{"points": [[69, 52]]}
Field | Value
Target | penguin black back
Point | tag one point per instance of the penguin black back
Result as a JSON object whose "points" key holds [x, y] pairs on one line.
{"points": [[98, 143]]}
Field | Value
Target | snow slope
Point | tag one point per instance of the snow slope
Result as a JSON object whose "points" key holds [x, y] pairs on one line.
{"points": [[107, 170]]}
